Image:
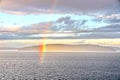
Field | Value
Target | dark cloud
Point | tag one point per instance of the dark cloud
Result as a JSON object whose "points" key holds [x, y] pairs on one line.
{"points": [[119, 1]]}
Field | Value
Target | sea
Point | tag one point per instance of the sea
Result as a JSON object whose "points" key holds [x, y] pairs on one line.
{"points": [[27, 65]]}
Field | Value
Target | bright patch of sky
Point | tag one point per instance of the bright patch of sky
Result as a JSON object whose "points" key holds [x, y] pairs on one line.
{"points": [[23, 20], [7, 20]]}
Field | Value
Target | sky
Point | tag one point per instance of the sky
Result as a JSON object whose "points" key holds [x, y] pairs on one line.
{"points": [[33, 20]]}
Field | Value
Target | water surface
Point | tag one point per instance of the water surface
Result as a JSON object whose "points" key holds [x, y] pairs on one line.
{"points": [[59, 66]]}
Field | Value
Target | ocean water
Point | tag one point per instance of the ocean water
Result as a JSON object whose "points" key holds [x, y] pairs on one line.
{"points": [[59, 66]]}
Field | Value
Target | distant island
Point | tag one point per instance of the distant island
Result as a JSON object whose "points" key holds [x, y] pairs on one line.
{"points": [[72, 48]]}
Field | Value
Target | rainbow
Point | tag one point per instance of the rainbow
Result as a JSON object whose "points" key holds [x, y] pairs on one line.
{"points": [[42, 49], [43, 45]]}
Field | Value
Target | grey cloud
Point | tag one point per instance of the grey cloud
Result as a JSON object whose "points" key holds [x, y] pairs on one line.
{"points": [[15, 36], [66, 20], [83, 22], [101, 35], [37, 6], [114, 27], [7, 36], [110, 31], [68, 24], [115, 21]]}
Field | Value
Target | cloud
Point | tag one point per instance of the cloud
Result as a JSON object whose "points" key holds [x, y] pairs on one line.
{"points": [[113, 27], [39, 6], [101, 35], [53, 35], [110, 31], [63, 28], [10, 29], [66, 20], [109, 18], [68, 24], [43, 27]]}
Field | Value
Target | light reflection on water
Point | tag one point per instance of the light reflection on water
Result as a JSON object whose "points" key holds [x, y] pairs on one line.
{"points": [[64, 66]]}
